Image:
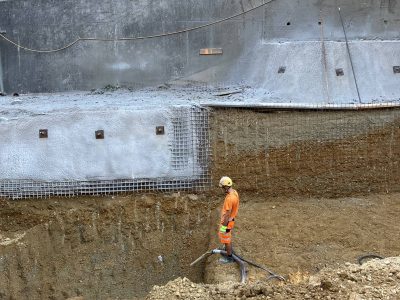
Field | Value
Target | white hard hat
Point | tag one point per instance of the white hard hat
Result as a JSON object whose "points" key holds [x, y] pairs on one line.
{"points": [[225, 181]]}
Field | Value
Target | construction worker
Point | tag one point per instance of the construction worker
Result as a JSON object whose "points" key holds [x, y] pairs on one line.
{"points": [[228, 213]]}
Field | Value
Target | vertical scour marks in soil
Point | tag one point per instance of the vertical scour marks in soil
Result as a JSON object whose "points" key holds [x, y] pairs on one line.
{"points": [[312, 153], [100, 247]]}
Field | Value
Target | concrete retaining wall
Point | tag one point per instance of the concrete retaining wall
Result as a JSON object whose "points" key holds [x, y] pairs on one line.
{"points": [[47, 24], [310, 75], [248, 42]]}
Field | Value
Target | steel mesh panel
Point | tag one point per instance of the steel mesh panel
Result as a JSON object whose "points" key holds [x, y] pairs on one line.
{"points": [[308, 152], [182, 139], [201, 145], [190, 146]]}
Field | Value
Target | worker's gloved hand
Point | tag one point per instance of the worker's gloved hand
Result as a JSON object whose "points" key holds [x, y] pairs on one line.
{"points": [[223, 228]]}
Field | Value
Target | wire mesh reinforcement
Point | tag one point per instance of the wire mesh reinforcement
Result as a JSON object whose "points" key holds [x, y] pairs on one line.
{"points": [[19, 189], [189, 146], [279, 152], [316, 153]]}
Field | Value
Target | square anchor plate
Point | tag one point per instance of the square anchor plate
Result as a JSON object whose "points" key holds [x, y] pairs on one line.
{"points": [[339, 72], [99, 134], [281, 70], [43, 134], [160, 130]]}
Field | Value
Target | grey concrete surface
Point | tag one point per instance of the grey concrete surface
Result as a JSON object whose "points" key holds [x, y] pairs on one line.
{"points": [[47, 24], [255, 45], [130, 149], [306, 80]]}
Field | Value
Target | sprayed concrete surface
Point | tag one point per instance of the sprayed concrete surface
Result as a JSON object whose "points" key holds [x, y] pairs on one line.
{"points": [[131, 147], [113, 98], [71, 151]]}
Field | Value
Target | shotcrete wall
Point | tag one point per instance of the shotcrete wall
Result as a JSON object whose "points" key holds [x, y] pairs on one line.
{"points": [[281, 33], [130, 147], [309, 153], [142, 149]]}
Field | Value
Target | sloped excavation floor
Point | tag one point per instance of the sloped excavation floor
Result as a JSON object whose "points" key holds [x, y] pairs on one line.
{"points": [[121, 246]]}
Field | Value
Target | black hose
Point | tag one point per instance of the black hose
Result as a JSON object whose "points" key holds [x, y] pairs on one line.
{"points": [[239, 261], [243, 272], [273, 275], [368, 256]]}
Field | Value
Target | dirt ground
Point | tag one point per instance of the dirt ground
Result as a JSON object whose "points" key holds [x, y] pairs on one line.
{"points": [[314, 243], [300, 234], [122, 247]]}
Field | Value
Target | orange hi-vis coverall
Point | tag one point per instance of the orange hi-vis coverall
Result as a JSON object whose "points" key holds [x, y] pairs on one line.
{"points": [[231, 204]]}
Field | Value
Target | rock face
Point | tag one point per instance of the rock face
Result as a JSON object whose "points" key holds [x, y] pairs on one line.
{"points": [[376, 279]]}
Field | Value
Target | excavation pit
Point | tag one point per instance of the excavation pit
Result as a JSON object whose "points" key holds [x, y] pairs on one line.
{"points": [[314, 152], [318, 187], [122, 246]]}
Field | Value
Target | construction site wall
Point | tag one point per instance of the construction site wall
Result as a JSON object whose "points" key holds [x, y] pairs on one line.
{"points": [[281, 33], [104, 151], [310, 153], [49, 25]]}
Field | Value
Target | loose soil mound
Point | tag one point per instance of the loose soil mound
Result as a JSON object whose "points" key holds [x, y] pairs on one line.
{"points": [[377, 279]]}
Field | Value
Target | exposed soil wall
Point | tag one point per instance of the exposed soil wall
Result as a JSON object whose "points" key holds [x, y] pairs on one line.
{"points": [[108, 248], [312, 153], [100, 247]]}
